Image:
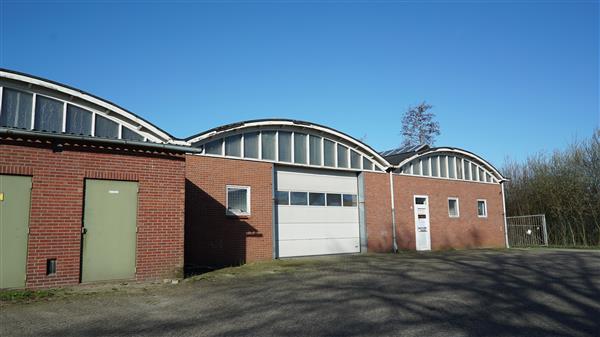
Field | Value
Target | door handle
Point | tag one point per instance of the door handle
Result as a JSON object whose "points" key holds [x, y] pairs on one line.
{"points": [[83, 230]]}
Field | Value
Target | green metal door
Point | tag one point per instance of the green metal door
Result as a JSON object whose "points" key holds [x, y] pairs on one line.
{"points": [[109, 230], [15, 198]]}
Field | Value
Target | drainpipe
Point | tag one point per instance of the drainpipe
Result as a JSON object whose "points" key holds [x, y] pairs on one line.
{"points": [[504, 210], [395, 244]]}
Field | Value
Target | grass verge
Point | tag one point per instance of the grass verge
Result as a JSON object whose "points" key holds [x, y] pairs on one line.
{"points": [[25, 295]]}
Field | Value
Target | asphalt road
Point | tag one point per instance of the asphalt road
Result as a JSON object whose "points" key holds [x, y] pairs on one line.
{"points": [[455, 293]]}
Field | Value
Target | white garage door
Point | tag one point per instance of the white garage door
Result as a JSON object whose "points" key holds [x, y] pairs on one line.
{"points": [[317, 212]]}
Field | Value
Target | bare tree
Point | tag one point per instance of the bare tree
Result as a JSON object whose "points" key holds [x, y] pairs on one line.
{"points": [[564, 185], [419, 125]]}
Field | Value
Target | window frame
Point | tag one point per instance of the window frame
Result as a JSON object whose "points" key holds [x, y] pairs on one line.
{"points": [[354, 200], [329, 144], [264, 146], [277, 200], [355, 156], [300, 144], [230, 141], [369, 167], [424, 198], [98, 117], [434, 161], [342, 155], [328, 203], [299, 192], [246, 144], [73, 109], [106, 113], [28, 115], [316, 205], [248, 201], [282, 147], [315, 148], [36, 114], [126, 129], [457, 207], [485, 208], [218, 144]]}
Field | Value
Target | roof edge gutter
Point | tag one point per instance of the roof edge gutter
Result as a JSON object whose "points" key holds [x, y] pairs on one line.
{"points": [[170, 147]]}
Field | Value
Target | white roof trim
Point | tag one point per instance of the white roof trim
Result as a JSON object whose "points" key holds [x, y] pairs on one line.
{"points": [[488, 166], [99, 102], [364, 148]]}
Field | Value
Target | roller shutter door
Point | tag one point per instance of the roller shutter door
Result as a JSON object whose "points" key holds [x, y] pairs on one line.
{"points": [[328, 223]]}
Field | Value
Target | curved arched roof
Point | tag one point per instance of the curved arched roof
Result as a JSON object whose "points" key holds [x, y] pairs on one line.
{"points": [[103, 106], [470, 155], [354, 143], [152, 133]]}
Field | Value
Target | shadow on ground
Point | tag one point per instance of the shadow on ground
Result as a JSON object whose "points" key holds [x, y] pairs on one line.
{"points": [[456, 293]]}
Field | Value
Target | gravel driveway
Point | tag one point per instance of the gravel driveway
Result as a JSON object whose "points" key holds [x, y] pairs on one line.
{"points": [[455, 293]]}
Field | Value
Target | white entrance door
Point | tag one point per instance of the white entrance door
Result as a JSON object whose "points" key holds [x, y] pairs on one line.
{"points": [[317, 212], [422, 233]]}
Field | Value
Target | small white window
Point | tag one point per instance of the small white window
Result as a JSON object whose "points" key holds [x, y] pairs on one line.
{"points": [[238, 200], [482, 208], [453, 208]]}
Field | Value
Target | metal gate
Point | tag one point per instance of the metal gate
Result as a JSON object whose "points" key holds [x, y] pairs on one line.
{"points": [[527, 230]]}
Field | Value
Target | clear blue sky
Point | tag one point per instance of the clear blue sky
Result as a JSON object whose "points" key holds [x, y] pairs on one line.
{"points": [[507, 78]]}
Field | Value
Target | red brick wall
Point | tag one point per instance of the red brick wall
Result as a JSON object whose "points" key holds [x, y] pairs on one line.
{"points": [[378, 212], [214, 239], [57, 205], [467, 231]]}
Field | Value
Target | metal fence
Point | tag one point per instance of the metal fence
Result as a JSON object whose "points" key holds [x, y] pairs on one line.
{"points": [[527, 230]]}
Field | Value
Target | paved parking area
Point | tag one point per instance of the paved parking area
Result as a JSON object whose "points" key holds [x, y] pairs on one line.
{"points": [[454, 293]]}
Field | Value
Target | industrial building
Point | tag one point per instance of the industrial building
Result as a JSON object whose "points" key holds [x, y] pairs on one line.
{"points": [[92, 192]]}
